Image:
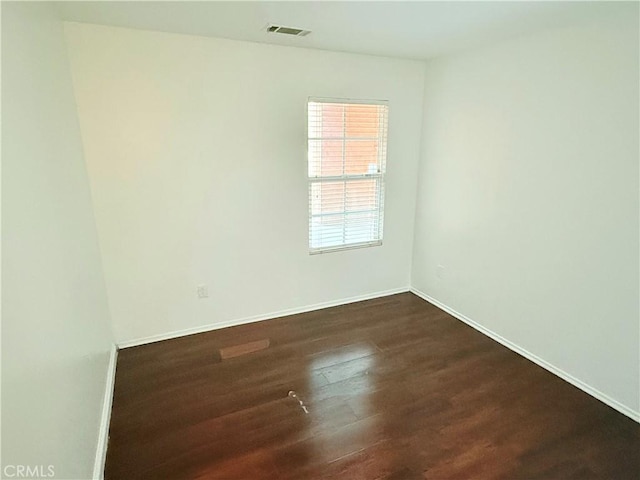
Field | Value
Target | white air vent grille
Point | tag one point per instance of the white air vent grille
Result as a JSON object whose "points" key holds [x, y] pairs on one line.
{"points": [[296, 32]]}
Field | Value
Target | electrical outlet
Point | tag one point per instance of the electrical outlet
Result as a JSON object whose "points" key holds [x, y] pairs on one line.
{"points": [[202, 291], [440, 272]]}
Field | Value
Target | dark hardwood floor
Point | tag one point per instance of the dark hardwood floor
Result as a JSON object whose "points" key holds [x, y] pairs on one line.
{"points": [[394, 389]]}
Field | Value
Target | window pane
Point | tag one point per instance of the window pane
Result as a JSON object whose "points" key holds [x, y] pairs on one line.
{"points": [[362, 121], [327, 197], [327, 232], [362, 195], [326, 120], [361, 157], [361, 227], [326, 158]]}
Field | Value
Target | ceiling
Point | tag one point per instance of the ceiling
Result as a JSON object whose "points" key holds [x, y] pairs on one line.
{"points": [[418, 30]]}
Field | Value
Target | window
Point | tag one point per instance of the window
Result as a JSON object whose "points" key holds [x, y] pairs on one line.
{"points": [[347, 154]]}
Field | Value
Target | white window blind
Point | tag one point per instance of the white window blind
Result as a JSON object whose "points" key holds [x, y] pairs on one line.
{"points": [[347, 153]]}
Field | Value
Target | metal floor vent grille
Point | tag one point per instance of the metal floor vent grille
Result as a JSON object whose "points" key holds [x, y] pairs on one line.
{"points": [[296, 32], [244, 349]]}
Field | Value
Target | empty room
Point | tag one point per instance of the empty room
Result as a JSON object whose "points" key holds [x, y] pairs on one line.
{"points": [[320, 240]]}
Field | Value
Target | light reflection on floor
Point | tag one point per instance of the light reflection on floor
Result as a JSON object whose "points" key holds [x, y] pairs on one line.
{"points": [[342, 420]]}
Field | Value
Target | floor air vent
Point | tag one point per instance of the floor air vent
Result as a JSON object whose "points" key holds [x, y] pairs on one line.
{"points": [[244, 349]]}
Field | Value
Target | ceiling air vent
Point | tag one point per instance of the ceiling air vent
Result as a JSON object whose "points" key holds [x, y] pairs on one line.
{"points": [[296, 32]]}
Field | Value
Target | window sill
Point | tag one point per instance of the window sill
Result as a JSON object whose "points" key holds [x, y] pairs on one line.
{"points": [[340, 248]]}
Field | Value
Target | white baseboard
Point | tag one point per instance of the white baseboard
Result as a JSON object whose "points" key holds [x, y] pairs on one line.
{"points": [[258, 318], [103, 438], [629, 412]]}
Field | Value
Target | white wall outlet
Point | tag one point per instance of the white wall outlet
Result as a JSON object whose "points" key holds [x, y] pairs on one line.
{"points": [[440, 272], [202, 291]]}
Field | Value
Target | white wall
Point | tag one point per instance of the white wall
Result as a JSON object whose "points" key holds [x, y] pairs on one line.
{"points": [[528, 197], [196, 149], [56, 337]]}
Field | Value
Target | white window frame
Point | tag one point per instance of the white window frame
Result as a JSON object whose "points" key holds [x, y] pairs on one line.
{"points": [[379, 175]]}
